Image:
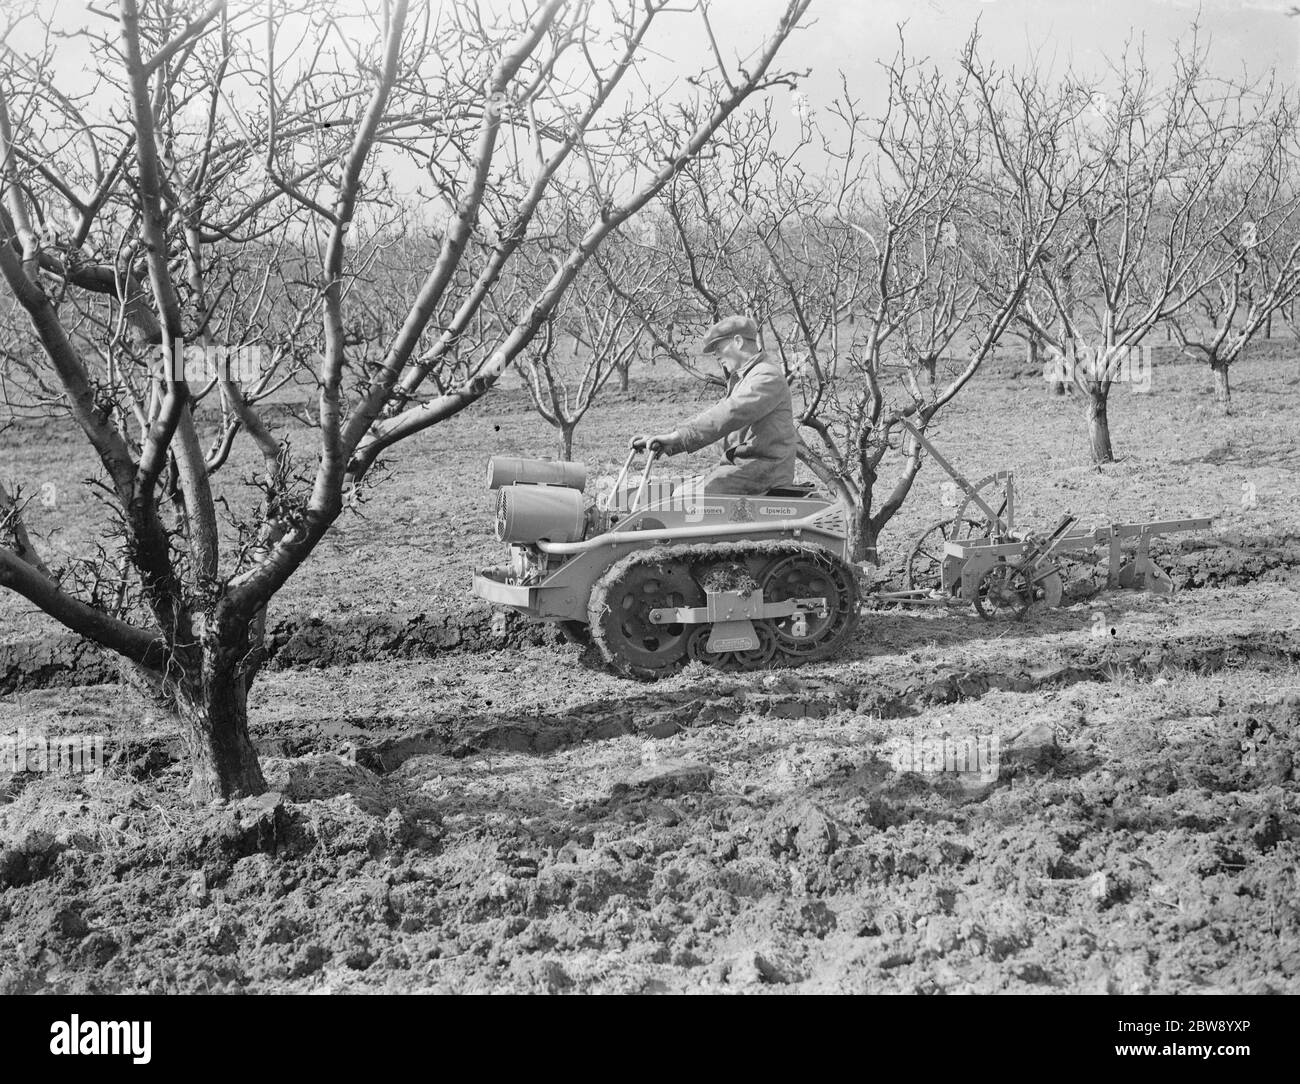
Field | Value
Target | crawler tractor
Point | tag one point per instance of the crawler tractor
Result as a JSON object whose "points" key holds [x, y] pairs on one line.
{"points": [[657, 576]]}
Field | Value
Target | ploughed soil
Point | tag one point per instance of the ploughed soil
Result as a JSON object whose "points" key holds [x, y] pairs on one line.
{"points": [[541, 826], [455, 811]]}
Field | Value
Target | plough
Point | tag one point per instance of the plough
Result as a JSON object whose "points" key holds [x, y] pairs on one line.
{"points": [[975, 557]]}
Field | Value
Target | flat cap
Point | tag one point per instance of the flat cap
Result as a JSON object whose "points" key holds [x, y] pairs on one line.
{"points": [[727, 327]]}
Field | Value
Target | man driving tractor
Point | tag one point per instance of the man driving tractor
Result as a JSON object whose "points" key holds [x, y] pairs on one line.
{"points": [[757, 410]]}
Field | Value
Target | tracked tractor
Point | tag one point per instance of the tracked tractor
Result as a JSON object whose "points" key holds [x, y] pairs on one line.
{"points": [[656, 575]]}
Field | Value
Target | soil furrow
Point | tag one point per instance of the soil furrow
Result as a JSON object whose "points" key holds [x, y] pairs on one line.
{"points": [[382, 744], [310, 641]]}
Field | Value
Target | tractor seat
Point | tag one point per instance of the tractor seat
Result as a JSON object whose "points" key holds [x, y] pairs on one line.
{"points": [[799, 489]]}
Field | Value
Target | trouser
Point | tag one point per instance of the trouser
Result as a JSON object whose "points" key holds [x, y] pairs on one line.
{"points": [[719, 483], [748, 478], [744, 476]]}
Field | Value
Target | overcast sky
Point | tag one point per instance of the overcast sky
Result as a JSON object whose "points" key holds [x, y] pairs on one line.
{"points": [[1250, 37], [851, 35]]}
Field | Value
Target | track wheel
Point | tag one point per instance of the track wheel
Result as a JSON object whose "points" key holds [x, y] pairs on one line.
{"points": [[924, 567], [808, 636], [697, 647], [620, 617]]}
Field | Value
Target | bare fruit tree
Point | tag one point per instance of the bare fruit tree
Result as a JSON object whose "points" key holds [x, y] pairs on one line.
{"points": [[1258, 264], [594, 335], [885, 282], [1181, 169], [567, 367], [217, 126]]}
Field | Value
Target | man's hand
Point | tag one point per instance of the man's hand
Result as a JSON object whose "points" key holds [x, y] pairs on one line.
{"points": [[667, 443]]}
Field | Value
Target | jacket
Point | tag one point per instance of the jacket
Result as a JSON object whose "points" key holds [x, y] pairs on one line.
{"points": [[759, 412]]}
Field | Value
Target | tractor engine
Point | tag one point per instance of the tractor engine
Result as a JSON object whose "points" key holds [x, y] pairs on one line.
{"points": [[538, 500]]}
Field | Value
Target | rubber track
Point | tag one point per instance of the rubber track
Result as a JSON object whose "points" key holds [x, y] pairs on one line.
{"points": [[710, 552]]}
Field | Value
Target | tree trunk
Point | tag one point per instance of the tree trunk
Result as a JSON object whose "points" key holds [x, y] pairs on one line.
{"points": [[1099, 427], [1036, 364], [213, 707], [624, 375], [566, 442], [863, 537], [224, 761], [928, 368], [1222, 390], [1268, 326]]}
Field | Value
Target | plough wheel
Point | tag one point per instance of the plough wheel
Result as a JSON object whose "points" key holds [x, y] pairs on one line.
{"points": [[924, 569], [1050, 590], [1005, 592], [1002, 592]]}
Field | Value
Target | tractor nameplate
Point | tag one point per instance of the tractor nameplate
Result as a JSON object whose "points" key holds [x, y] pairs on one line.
{"points": [[733, 636]]}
